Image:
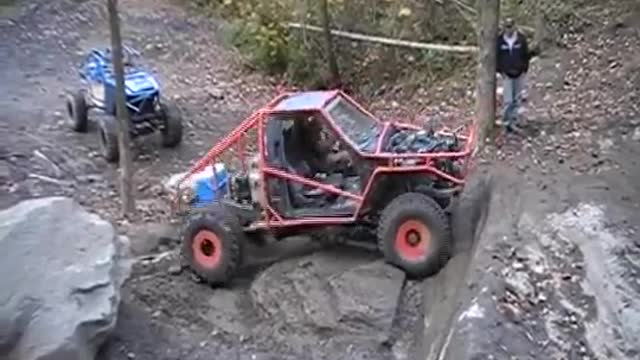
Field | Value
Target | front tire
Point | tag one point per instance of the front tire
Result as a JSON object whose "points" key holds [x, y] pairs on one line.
{"points": [[212, 244], [109, 140], [77, 112], [414, 234], [171, 125]]}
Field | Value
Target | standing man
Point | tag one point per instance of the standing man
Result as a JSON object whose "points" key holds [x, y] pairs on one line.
{"points": [[513, 64]]}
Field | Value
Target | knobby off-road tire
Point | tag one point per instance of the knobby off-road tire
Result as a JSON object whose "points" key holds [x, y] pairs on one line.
{"points": [[212, 245], [77, 112], [108, 134], [172, 125], [414, 234]]}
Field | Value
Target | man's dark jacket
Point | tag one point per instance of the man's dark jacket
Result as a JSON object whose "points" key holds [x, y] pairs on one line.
{"points": [[515, 61]]}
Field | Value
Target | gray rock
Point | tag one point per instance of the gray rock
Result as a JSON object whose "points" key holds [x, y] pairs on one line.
{"points": [[295, 293], [215, 94], [5, 171], [520, 284], [309, 294], [609, 279], [636, 134], [175, 270], [62, 272], [366, 297], [478, 325], [146, 238]]}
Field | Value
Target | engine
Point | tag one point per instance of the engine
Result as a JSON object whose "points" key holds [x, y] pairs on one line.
{"points": [[240, 191], [246, 188]]}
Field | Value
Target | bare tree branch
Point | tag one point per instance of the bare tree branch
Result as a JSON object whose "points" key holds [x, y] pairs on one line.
{"points": [[124, 136], [389, 41]]}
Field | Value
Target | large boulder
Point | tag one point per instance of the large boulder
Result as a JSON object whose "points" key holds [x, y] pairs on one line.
{"points": [[319, 294], [62, 269], [550, 277]]}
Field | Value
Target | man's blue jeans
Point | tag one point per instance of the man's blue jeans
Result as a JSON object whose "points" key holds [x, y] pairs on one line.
{"points": [[512, 96]]}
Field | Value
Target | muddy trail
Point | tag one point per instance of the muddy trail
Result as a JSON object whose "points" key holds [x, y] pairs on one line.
{"points": [[547, 249]]}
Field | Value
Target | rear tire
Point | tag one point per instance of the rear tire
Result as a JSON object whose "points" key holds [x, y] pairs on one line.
{"points": [[212, 245], [414, 234], [109, 140], [77, 112], [172, 125]]}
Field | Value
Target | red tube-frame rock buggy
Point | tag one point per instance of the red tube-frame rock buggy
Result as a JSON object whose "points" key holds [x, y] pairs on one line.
{"points": [[399, 182]]}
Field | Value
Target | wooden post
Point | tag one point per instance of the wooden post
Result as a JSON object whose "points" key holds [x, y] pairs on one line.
{"points": [[126, 168], [331, 57], [488, 15]]}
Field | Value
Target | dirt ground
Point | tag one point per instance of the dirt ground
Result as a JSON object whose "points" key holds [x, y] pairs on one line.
{"points": [[566, 192]]}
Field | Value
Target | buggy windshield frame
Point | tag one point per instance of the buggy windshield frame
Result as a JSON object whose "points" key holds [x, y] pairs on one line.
{"points": [[360, 127]]}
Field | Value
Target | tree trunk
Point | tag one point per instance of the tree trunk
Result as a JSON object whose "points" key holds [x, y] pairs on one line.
{"points": [[488, 15], [331, 57], [541, 39], [126, 168]]}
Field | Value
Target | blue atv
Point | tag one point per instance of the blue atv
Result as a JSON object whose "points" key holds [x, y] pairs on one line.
{"points": [[147, 112]]}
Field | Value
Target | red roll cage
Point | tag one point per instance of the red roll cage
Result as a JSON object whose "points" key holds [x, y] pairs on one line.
{"points": [[270, 217]]}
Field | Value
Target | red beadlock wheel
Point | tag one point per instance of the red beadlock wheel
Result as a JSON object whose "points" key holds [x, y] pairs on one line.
{"points": [[207, 249], [414, 234], [212, 244], [412, 240]]}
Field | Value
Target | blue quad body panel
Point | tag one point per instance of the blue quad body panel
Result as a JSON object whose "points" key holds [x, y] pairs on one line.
{"points": [[140, 86], [211, 187]]}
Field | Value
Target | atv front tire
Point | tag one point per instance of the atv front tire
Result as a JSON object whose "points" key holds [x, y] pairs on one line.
{"points": [[77, 112], [109, 140], [414, 234], [171, 125], [212, 244]]}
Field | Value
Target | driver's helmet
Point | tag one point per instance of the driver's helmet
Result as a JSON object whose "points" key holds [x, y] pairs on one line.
{"points": [[303, 126], [312, 125]]}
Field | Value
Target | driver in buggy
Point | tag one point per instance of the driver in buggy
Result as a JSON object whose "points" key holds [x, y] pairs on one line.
{"points": [[315, 149], [313, 153]]}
